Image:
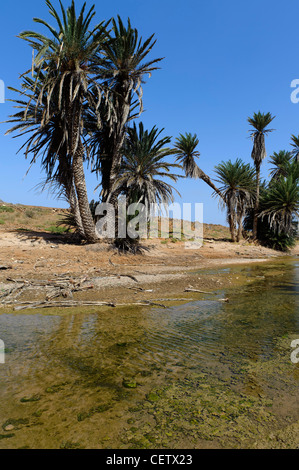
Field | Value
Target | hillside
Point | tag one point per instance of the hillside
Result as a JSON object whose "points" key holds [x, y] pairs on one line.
{"points": [[46, 219]]}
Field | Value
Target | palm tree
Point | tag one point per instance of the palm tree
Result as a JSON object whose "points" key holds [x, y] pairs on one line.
{"points": [[295, 145], [259, 122], [69, 62], [46, 141], [144, 167], [141, 175], [238, 189], [293, 170], [185, 150], [280, 203], [123, 72], [281, 161]]}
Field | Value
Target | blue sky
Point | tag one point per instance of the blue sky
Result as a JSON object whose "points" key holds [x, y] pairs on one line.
{"points": [[224, 60]]}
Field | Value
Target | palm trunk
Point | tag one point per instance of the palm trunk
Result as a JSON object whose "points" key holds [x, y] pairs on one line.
{"points": [[76, 151], [66, 180], [119, 138], [122, 107], [83, 203], [239, 233], [232, 227], [207, 180], [73, 201], [256, 205]]}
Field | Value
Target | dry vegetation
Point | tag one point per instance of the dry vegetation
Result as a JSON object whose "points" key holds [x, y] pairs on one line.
{"points": [[36, 256]]}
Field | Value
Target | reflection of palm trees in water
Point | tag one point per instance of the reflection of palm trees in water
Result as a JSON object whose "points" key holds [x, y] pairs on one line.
{"points": [[94, 344], [266, 310]]}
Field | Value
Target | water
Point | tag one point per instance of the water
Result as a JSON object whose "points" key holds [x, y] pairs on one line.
{"points": [[203, 374]]}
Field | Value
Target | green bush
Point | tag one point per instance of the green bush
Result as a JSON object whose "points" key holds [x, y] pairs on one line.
{"points": [[279, 241], [6, 209], [55, 229], [269, 237]]}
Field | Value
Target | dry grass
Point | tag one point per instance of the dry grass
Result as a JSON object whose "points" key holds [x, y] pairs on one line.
{"points": [[45, 219]]}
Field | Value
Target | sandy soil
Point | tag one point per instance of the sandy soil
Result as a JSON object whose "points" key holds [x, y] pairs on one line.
{"points": [[165, 270]]}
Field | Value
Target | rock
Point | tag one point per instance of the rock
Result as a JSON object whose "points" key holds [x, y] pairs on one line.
{"points": [[12, 423], [40, 264], [29, 399], [129, 383], [10, 427], [152, 397]]}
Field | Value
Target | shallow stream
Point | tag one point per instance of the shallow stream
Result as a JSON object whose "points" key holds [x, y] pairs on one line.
{"points": [[206, 374]]}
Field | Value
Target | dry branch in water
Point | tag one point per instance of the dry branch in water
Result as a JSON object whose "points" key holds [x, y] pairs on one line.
{"points": [[190, 289], [74, 303]]}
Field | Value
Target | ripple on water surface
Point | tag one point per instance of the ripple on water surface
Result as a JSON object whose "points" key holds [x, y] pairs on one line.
{"points": [[78, 360]]}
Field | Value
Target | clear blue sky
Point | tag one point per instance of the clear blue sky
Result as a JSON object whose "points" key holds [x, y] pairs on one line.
{"points": [[224, 60]]}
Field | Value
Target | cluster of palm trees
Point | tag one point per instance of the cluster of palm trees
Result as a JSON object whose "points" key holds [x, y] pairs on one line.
{"points": [[76, 104], [77, 99], [265, 208], [76, 107]]}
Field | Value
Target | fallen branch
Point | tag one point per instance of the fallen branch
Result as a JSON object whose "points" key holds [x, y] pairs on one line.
{"points": [[138, 289], [125, 275], [189, 289], [61, 304], [73, 303]]}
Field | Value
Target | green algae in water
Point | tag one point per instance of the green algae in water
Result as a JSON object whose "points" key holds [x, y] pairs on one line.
{"points": [[129, 383], [206, 373], [6, 436], [34, 398]]}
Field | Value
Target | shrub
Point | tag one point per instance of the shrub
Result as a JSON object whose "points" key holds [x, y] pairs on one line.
{"points": [[6, 209], [30, 214]]}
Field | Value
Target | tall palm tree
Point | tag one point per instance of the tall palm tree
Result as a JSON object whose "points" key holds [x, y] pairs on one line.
{"points": [[259, 123], [185, 150], [281, 161], [46, 141], [123, 72], [69, 61], [238, 189]]}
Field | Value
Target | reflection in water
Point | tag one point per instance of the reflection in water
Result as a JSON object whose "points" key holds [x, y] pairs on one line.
{"points": [[63, 381]]}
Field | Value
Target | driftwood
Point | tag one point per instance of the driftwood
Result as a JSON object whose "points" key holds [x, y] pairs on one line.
{"points": [[12, 291], [60, 304], [190, 289], [59, 287], [125, 275], [138, 289], [73, 303]]}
